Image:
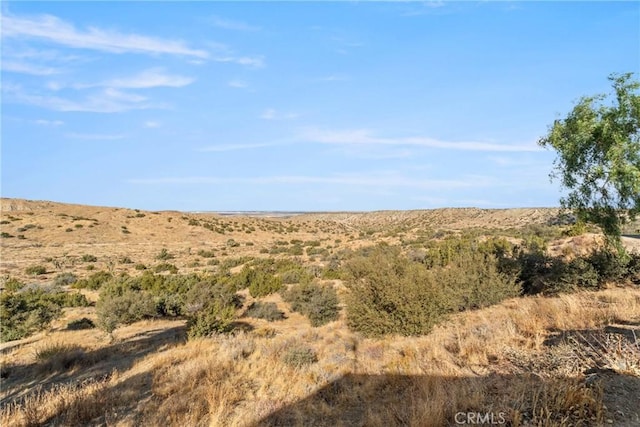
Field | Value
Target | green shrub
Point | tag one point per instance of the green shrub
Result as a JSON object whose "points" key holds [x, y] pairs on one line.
{"points": [[93, 282], [140, 267], [319, 303], [295, 250], [390, 294], [125, 260], [78, 324], [11, 284], [300, 356], [26, 312], [206, 254], [64, 279], [165, 266], [164, 255], [263, 284], [36, 270], [611, 267], [264, 310], [215, 319], [6, 235], [89, 258], [115, 309]]}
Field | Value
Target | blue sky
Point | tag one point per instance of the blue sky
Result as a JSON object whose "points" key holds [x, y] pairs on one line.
{"points": [[298, 105]]}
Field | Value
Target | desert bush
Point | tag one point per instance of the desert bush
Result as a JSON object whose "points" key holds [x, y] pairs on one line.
{"points": [[216, 318], [78, 324], [140, 267], [30, 310], [165, 266], [115, 309], [319, 303], [93, 282], [164, 255], [300, 356], [36, 270], [206, 254], [125, 260], [64, 279], [389, 294], [11, 284], [264, 310], [263, 284], [203, 294], [69, 299], [89, 258], [295, 275], [295, 250], [611, 267]]}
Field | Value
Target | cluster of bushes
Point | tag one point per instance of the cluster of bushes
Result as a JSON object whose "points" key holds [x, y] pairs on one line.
{"points": [[319, 303], [264, 310], [260, 283], [541, 273], [28, 309], [390, 293]]}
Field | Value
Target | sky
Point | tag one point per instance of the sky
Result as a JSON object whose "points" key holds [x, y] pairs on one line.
{"points": [[298, 106]]}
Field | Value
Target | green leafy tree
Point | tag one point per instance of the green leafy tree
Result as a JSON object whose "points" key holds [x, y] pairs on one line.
{"points": [[598, 146]]}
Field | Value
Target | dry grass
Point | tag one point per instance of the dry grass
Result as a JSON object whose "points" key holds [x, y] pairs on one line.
{"points": [[532, 361], [495, 360]]}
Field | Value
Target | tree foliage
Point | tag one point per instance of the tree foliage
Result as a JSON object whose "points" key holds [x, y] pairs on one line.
{"points": [[598, 146]]}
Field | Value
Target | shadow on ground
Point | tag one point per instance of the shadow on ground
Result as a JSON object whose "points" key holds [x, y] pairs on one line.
{"points": [[76, 365], [401, 400]]}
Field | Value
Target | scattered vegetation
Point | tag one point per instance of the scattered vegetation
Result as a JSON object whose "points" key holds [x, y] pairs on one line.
{"points": [[319, 303], [264, 310]]}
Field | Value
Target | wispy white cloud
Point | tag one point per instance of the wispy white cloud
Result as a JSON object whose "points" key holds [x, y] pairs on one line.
{"points": [[152, 124], [26, 68], [95, 136], [239, 84], [55, 30], [154, 77], [366, 137], [54, 123], [150, 78], [105, 101], [365, 180], [249, 61], [235, 147], [334, 78], [229, 24], [272, 114]]}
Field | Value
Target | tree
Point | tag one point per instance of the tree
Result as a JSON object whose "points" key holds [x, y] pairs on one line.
{"points": [[598, 146]]}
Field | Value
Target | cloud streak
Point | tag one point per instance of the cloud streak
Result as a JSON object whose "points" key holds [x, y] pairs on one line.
{"points": [[55, 30], [229, 24], [150, 78], [363, 180], [25, 68], [366, 137], [106, 101], [272, 114], [95, 137]]}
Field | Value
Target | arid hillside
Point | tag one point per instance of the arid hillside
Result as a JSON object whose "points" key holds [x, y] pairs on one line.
{"points": [[124, 317], [58, 235]]}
